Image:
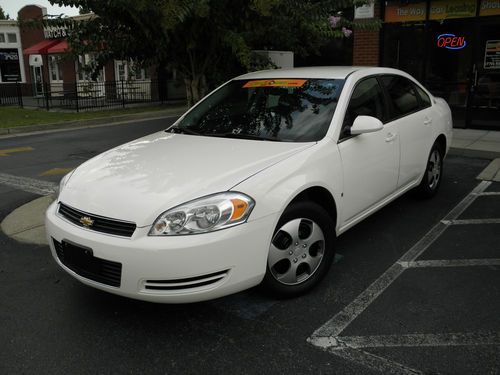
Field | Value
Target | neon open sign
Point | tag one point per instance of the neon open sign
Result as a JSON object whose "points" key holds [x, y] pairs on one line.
{"points": [[451, 41]]}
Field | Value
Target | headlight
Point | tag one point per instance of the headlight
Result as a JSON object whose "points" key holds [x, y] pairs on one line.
{"points": [[203, 215], [63, 182]]}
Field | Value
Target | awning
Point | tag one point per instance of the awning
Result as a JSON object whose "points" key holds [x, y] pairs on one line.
{"points": [[60, 47], [41, 47]]}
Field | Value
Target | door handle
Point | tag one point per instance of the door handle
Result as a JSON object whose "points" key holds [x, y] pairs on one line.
{"points": [[390, 137], [427, 121]]}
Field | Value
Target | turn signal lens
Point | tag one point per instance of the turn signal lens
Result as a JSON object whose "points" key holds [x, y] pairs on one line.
{"points": [[239, 208], [203, 215]]}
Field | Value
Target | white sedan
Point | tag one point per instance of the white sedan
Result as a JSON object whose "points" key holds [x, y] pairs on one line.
{"points": [[251, 186]]}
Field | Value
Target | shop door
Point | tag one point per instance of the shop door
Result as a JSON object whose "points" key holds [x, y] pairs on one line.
{"points": [[484, 99], [37, 80]]}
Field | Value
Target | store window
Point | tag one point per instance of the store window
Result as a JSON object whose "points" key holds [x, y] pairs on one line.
{"points": [[128, 71], [450, 61], [9, 65], [84, 66], [11, 38], [121, 72], [404, 48], [2, 38]]}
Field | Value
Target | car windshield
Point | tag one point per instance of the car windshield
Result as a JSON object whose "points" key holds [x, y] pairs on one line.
{"points": [[292, 110]]}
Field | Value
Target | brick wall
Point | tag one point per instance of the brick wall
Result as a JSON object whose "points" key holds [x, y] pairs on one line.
{"points": [[31, 36], [366, 44]]}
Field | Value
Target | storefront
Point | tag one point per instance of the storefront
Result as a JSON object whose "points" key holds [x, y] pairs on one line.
{"points": [[453, 47], [11, 58]]}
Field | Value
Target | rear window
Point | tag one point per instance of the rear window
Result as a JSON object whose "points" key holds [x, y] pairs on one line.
{"points": [[292, 110], [424, 98], [402, 94]]}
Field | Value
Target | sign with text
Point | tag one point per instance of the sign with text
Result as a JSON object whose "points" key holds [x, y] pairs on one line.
{"points": [[397, 11], [55, 33], [489, 8], [365, 11], [446, 9], [9, 55], [451, 41], [492, 54]]}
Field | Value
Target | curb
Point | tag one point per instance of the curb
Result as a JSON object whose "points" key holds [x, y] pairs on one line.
{"points": [[99, 121], [26, 223]]}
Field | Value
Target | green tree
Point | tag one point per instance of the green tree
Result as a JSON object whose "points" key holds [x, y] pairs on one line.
{"points": [[198, 37], [3, 15]]}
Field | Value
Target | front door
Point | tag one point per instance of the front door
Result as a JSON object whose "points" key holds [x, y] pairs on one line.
{"points": [[37, 80], [55, 76], [484, 100], [370, 161]]}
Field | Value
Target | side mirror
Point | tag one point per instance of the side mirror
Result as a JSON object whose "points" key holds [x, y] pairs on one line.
{"points": [[366, 124]]}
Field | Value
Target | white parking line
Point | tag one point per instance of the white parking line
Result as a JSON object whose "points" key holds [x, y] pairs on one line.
{"points": [[27, 184], [419, 340], [327, 336], [471, 221], [489, 193], [450, 263]]}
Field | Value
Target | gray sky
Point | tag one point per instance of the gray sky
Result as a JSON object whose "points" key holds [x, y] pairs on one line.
{"points": [[12, 7]]}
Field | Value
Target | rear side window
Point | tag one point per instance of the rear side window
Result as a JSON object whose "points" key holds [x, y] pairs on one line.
{"points": [[367, 100], [425, 101], [402, 94]]}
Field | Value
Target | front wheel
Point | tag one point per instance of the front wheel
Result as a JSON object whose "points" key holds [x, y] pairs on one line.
{"points": [[433, 173], [301, 250]]}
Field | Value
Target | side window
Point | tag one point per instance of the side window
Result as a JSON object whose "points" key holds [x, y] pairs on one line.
{"points": [[402, 94], [366, 100], [425, 101]]}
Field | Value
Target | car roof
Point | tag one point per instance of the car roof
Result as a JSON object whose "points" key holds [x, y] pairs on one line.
{"points": [[332, 72]]}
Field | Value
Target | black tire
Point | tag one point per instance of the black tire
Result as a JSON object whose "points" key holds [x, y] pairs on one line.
{"points": [[433, 173], [317, 254]]}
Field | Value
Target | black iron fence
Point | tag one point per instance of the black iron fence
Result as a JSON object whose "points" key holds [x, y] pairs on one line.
{"points": [[89, 95]]}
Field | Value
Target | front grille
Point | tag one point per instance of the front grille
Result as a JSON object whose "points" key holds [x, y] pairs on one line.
{"points": [[100, 224], [101, 270], [187, 283]]}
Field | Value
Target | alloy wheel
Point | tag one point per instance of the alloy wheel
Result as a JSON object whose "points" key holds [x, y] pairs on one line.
{"points": [[296, 251], [434, 169]]}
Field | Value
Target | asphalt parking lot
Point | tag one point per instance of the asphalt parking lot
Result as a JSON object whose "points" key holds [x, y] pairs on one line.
{"points": [[415, 289], [459, 258]]}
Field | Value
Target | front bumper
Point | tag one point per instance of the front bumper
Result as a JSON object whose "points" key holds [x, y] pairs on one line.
{"points": [[151, 266]]}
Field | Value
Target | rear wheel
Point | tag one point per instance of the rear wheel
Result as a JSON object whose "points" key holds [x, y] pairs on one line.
{"points": [[433, 173], [301, 250]]}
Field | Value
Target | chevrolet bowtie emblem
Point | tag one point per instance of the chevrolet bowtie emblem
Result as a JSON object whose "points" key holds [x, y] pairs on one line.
{"points": [[86, 221]]}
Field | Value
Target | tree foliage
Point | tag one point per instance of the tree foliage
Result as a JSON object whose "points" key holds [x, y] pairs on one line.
{"points": [[199, 37], [3, 15]]}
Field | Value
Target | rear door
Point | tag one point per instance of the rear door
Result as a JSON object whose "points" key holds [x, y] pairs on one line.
{"points": [[370, 161], [410, 111]]}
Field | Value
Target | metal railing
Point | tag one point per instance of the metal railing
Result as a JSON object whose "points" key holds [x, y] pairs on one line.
{"points": [[89, 95]]}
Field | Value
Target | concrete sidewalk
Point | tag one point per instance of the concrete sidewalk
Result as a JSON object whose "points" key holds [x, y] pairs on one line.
{"points": [[26, 224], [476, 143]]}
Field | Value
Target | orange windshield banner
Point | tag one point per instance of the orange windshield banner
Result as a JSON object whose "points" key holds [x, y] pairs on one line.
{"points": [[275, 83]]}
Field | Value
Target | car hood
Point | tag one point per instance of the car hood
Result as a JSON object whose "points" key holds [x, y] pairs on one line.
{"points": [[143, 178]]}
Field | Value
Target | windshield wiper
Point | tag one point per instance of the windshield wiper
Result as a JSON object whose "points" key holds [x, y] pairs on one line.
{"points": [[178, 130], [243, 136]]}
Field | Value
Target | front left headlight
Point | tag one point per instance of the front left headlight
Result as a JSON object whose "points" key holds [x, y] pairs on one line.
{"points": [[203, 215]]}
